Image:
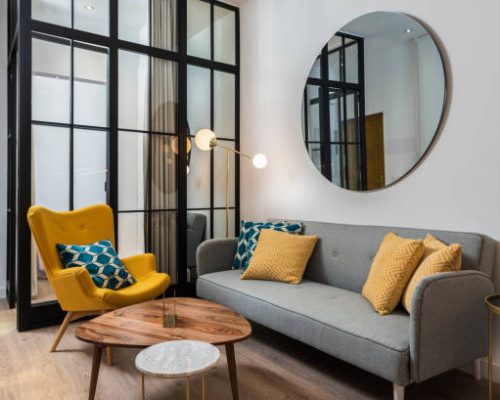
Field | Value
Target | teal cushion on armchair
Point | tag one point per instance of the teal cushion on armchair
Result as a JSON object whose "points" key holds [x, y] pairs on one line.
{"points": [[100, 260], [249, 236]]}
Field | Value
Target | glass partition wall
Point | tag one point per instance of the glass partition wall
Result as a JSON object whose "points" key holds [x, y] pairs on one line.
{"points": [[111, 94]]}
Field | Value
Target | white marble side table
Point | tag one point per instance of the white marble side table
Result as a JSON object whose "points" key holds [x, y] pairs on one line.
{"points": [[177, 359]]}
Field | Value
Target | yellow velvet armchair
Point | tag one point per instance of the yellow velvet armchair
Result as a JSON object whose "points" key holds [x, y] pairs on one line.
{"points": [[76, 292]]}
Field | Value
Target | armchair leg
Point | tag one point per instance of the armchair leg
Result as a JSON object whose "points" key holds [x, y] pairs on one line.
{"points": [[476, 367], [62, 329], [109, 351], [398, 392]]}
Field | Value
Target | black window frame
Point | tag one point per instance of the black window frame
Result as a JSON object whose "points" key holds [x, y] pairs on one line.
{"points": [[325, 87], [32, 315]]}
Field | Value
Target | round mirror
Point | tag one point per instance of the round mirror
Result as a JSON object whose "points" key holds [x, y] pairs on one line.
{"points": [[373, 101]]}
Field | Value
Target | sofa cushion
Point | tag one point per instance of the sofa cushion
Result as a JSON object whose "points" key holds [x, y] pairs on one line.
{"points": [[339, 322], [274, 247], [396, 260]]}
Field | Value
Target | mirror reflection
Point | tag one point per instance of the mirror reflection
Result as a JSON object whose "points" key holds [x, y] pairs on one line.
{"points": [[373, 101]]}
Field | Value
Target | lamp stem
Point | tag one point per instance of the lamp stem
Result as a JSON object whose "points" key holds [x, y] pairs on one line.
{"points": [[227, 191], [233, 150]]}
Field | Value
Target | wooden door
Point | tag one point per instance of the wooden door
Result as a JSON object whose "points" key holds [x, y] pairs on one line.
{"points": [[375, 167]]}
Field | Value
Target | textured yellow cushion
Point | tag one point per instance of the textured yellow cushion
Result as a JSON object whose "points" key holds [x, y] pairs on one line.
{"points": [[438, 257], [396, 260], [280, 256]]}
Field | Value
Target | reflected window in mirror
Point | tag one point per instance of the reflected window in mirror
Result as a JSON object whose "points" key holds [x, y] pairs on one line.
{"points": [[373, 101]]}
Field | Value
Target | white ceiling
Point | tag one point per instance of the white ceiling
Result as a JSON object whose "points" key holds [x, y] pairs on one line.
{"points": [[387, 25]]}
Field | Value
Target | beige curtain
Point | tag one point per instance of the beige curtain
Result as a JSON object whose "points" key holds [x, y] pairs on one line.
{"points": [[163, 157]]}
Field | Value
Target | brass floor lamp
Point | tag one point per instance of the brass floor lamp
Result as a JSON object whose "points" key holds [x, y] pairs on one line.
{"points": [[206, 140]]}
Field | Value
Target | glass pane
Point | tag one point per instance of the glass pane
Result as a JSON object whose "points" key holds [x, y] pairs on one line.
{"points": [[352, 112], [163, 172], [336, 116], [224, 105], [133, 21], [351, 63], [198, 98], [224, 35], [51, 68], [51, 149], [316, 69], [354, 167], [334, 65], [55, 12], [90, 87], [313, 118], [198, 230], [338, 158], [198, 179], [220, 224], [41, 291], [315, 155], [90, 167], [164, 242], [132, 233], [132, 170], [334, 43], [164, 95], [198, 28], [92, 16], [133, 91], [220, 175], [164, 24]]}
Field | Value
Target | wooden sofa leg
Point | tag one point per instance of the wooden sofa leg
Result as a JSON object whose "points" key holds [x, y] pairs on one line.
{"points": [[476, 368], [62, 329], [398, 392]]}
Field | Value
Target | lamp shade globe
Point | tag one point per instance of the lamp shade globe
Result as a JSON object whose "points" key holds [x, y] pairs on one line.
{"points": [[259, 161], [205, 139]]}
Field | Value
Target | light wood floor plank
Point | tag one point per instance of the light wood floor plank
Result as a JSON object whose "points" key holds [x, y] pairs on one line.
{"points": [[270, 366]]}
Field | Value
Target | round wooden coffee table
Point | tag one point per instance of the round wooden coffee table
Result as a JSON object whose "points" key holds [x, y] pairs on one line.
{"points": [[141, 326]]}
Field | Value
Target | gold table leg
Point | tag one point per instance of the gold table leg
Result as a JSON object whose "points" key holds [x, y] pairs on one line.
{"points": [[187, 388], [203, 386], [490, 355], [143, 388]]}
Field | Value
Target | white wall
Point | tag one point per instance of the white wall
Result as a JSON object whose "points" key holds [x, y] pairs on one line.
{"points": [[3, 145], [457, 187]]}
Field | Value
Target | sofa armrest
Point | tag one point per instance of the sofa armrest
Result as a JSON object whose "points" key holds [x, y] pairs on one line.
{"points": [[215, 255], [448, 324]]}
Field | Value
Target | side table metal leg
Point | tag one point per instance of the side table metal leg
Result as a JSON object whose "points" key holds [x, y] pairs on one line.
{"points": [[490, 355], [187, 388], [143, 388]]}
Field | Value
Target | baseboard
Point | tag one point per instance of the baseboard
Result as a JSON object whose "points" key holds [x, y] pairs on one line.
{"points": [[3, 292], [484, 370]]}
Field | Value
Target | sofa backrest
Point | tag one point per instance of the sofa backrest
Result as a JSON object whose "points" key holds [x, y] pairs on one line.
{"points": [[344, 253]]}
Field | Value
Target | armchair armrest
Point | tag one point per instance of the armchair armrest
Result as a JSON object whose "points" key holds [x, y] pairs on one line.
{"points": [[140, 265], [448, 323], [75, 290], [215, 255]]}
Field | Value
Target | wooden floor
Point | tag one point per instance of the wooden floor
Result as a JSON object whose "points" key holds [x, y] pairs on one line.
{"points": [[270, 366]]}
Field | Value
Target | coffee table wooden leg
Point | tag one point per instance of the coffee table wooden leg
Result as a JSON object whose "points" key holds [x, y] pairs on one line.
{"points": [[96, 364], [231, 364]]}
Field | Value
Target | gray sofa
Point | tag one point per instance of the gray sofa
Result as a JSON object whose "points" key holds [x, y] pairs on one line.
{"points": [[446, 330]]}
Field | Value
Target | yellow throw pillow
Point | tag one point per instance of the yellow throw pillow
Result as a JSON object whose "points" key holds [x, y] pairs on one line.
{"points": [[438, 257], [396, 260], [280, 256]]}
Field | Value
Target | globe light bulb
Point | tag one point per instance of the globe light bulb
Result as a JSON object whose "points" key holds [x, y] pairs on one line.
{"points": [[204, 139], [259, 161]]}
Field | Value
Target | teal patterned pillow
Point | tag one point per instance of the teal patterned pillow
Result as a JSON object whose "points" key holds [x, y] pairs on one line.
{"points": [[249, 236], [100, 260]]}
